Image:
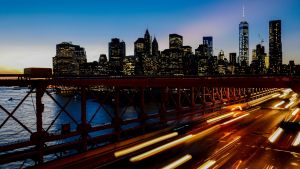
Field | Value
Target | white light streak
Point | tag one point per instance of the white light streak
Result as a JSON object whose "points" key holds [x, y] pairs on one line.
{"points": [[160, 148], [275, 135], [145, 144], [235, 119], [279, 104], [296, 141], [178, 162], [207, 164]]}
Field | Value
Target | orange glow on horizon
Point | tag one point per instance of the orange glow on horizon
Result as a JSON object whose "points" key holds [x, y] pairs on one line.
{"points": [[10, 70]]}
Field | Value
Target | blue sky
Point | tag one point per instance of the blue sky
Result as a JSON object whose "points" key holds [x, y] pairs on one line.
{"points": [[29, 30]]}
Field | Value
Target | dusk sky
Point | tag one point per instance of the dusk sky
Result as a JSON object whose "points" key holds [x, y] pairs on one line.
{"points": [[29, 30]]}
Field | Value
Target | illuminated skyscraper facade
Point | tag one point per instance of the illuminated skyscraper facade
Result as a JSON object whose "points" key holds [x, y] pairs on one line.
{"points": [[147, 43], [155, 48], [116, 52], [232, 58], [261, 55], [68, 58], [275, 46], [208, 41], [175, 41], [244, 43]]}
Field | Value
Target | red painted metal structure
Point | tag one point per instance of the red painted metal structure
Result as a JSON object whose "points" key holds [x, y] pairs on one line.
{"points": [[179, 99]]}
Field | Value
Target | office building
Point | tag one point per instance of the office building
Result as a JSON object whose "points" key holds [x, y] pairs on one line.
{"points": [[261, 55], [208, 40], [139, 48], [68, 59], [147, 43], [232, 58], [129, 65], [254, 57], [244, 43], [275, 46], [175, 41], [116, 53], [155, 48], [171, 62], [103, 64]]}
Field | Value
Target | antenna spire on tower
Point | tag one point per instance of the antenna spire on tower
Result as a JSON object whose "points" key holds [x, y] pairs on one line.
{"points": [[243, 11]]}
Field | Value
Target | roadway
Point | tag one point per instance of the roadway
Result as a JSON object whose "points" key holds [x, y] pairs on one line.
{"points": [[238, 140]]}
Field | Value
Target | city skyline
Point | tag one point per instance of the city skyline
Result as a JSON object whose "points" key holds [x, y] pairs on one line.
{"points": [[44, 27]]}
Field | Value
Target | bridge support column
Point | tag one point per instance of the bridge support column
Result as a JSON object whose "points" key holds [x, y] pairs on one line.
{"points": [[240, 95], [227, 95], [142, 114], [164, 99], [83, 125], [220, 91], [192, 97], [178, 104], [117, 119], [39, 136], [203, 100], [213, 93]]}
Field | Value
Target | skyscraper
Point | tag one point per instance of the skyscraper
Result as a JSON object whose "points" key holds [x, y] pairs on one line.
{"points": [[175, 41], [208, 40], [155, 49], [275, 45], [139, 48], [243, 58], [139, 53], [261, 55], [232, 58], [68, 58], [116, 52], [103, 64], [254, 56], [147, 43], [232, 63], [244, 42], [202, 55]]}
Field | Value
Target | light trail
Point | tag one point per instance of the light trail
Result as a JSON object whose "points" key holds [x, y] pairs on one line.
{"points": [[295, 111], [275, 135], [238, 165], [229, 144], [285, 93], [235, 119], [279, 104], [160, 149], [296, 141], [145, 144], [220, 117], [289, 105], [207, 164], [204, 133], [252, 110], [178, 162], [238, 107], [294, 97], [276, 95]]}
